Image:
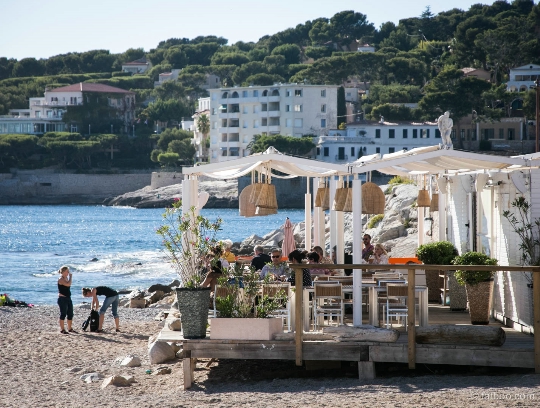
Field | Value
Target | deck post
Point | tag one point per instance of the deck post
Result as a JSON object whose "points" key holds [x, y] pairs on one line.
{"points": [[186, 368], [536, 316], [411, 320], [299, 321]]}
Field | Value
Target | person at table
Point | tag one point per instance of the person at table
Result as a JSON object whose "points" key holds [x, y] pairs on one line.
{"points": [[297, 257], [277, 269], [380, 256], [313, 258], [227, 254], [212, 277], [322, 259], [260, 259], [368, 247]]}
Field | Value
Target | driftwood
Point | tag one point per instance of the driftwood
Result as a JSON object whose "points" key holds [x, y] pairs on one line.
{"points": [[451, 334], [362, 333], [307, 336]]}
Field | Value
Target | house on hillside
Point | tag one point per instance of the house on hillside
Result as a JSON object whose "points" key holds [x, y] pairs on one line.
{"points": [[139, 66], [522, 78], [477, 73]]}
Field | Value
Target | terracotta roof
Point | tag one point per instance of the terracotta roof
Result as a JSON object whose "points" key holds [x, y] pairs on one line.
{"points": [[90, 87]]}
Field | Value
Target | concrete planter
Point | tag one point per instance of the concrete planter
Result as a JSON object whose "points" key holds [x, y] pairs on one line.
{"points": [[193, 306], [479, 297], [245, 329]]}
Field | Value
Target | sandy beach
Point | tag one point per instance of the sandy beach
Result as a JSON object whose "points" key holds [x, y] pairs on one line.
{"points": [[42, 368]]}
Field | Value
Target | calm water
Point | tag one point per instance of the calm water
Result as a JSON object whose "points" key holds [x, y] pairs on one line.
{"points": [[36, 240]]}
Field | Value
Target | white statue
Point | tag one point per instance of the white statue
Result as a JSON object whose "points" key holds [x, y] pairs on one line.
{"points": [[445, 124]]}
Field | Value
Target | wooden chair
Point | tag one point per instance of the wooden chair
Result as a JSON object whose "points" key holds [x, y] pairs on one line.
{"points": [[327, 301], [272, 290], [396, 303]]}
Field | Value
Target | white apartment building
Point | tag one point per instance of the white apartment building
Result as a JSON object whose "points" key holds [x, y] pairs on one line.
{"points": [[370, 137], [522, 78], [239, 113]]}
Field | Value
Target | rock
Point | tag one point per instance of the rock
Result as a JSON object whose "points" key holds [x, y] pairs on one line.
{"points": [[174, 283], [160, 352], [118, 380], [160, 287], [74, 369], [180, 353], [176, 347], [93, 260], [175, 325], [156, 296], [124, 302], [131, 361], [162, 371], [137, 294], [137, 303], [152, 339], [84, 306], [91, 377]]}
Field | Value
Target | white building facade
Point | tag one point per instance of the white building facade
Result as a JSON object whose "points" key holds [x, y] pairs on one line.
{"points": [[239, 113], [522, 78], [367, 138]]}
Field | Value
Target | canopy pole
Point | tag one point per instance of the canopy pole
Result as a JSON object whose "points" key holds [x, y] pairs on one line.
{"points": [[357, 249], [307, 225]]}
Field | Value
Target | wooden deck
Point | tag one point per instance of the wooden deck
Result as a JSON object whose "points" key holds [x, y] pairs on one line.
{"points": [[517, 351]]}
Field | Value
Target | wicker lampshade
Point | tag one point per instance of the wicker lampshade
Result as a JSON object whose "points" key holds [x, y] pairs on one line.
{"points": [[434, 206], [372, 199], [260, 211], [348, 202], [267, 197], [245, 206], [340, 199], [255, 191], [322, 199], [423, 199]]}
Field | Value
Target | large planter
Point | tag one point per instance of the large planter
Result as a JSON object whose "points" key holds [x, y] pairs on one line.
{"points": [[434, 283], [193, 306], [479, 297], [245, 329], [458, 293]]}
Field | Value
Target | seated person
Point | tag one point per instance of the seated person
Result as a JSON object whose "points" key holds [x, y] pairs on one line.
{"points": [[380, 256], [218, 254], [227, 254], [212, 277], [322, 259], [313, 258], [368, 247], [277, 268], [297, 257], [260, 259]]}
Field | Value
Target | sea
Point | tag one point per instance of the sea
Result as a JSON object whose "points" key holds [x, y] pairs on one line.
{"points": [[112, 246]]}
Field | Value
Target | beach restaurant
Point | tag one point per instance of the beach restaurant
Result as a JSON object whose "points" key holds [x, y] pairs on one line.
{"points": [[473, 191]]}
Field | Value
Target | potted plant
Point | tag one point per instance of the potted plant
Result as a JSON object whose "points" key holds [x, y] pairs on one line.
{"points": [[240, 316], [442, 253], [479, 284], [188, 240]]}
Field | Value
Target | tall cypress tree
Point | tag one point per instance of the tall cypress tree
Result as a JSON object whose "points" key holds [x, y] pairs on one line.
{"points": [[341, 108]]}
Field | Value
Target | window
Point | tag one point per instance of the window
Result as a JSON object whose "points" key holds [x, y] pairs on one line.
{"points": [[264, 107], [323, 123], [341, 153], [424, 133], [415, 133], [323, 108], [214, 125], [245, 125], [224, 152], [298, 123], [501, 133], [256, 109], [391, 149], [377, 150], [224, 137], [224, 95], [462, 134], [265, 92], [298, 108], [234, 151], [405, 133], [511, 133], [377, 133], [288, 92], [255, 94], [487, 134], [214, 111], [287, 108], [244, 94], [391, 133], [264, 122], [255, 124], [288, 123], [245, 109], [223, 122], [297, 92], [437, 134], [318, 151], [323, 93], [473, 134], [326, 151], [352, 151]]}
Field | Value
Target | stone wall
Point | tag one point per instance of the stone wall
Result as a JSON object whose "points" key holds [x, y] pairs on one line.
{"points": [[42, 187], [164, 179]]}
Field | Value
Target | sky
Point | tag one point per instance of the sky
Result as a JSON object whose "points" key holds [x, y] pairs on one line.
{"points": [[43, 28]]}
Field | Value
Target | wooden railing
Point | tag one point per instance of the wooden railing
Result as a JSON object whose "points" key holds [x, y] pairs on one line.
{"points": [[411, 327]]}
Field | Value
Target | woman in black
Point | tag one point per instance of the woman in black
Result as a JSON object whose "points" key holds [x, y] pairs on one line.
{"points": [[111, 299], [64, 299], [297, 257]]}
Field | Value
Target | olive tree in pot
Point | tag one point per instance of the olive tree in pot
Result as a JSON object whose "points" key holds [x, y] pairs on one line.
{"points": [[479, 284], [442, 253], [188, 240]]}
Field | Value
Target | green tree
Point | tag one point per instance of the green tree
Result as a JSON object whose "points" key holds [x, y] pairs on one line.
{"points": [[298, 146], [168, 159], [229, 58], [203, 125], [348, 26], [165, 111], [241, 73], [28, 67], [264, 79], [176, 57], [168, 135], [184, 148], [291, 52]]}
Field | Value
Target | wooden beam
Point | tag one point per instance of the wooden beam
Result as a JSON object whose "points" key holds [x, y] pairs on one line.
{"points": [[299, 321], [536, 316], [186, 368], [411, 320]]}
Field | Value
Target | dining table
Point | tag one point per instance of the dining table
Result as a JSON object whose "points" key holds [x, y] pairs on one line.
{"points": [[423, 309]]}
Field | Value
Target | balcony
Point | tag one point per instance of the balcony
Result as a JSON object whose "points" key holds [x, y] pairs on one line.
{"points": [[341, 157], [270, 114], [229, 115], [347, 139]]}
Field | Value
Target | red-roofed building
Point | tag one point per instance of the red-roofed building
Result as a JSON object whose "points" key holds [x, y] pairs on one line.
{"points": [[138, 66]]}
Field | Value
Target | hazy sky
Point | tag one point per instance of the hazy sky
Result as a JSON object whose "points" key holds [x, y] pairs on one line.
{"points": [[43, 28]]}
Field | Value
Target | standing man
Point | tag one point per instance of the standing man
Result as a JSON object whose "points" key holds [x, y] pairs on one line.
{"points": [[368, 247], [260, 259]]}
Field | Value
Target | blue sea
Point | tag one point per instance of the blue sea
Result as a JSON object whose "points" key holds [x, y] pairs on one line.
{"points": [[35, 241]]}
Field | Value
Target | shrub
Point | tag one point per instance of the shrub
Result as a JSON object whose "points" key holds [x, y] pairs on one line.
{"points": [[473, 277], [375, 220], [442, 253], [400, 180]]}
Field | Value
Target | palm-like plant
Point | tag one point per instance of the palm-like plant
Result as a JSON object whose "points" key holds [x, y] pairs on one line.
{"points": [[203, 126]]}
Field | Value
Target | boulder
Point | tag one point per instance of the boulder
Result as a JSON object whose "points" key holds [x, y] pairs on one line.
{"points": [[137, 303], [118, 380], [160, 352], [175, 325], [162, 371], [131, 361], [176, 346], [174, 283], [91, 377]]}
